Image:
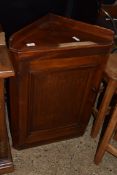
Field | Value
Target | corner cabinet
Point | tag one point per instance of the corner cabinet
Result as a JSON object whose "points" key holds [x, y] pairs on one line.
{"points": [[57, 79]]}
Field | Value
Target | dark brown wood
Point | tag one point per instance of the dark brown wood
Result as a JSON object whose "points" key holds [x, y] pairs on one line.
{"points": [[6, 70], [6, 164], [57, 78], [111, 9]]}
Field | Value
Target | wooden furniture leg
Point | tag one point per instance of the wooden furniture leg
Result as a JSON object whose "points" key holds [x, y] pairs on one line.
{"points": [[103, 108], [6, 164], [6, 70], [115, 136], [104, 145]]}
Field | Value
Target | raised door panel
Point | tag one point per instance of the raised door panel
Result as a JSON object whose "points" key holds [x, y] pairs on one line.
{"points": [[56, 98]]}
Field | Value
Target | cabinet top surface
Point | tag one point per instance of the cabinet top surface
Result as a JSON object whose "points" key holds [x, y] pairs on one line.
{"points": [[55, 32], [6, 69]]}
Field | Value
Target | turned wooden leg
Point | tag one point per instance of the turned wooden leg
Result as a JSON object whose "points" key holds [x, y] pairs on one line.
{"points": [[104, 145], [103, 107]]}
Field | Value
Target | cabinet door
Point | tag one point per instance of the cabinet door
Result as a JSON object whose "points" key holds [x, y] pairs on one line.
{"points": [[54, 99]]}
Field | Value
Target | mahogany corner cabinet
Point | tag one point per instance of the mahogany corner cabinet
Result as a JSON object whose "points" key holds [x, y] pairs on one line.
{"points": [[58, 66]]}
